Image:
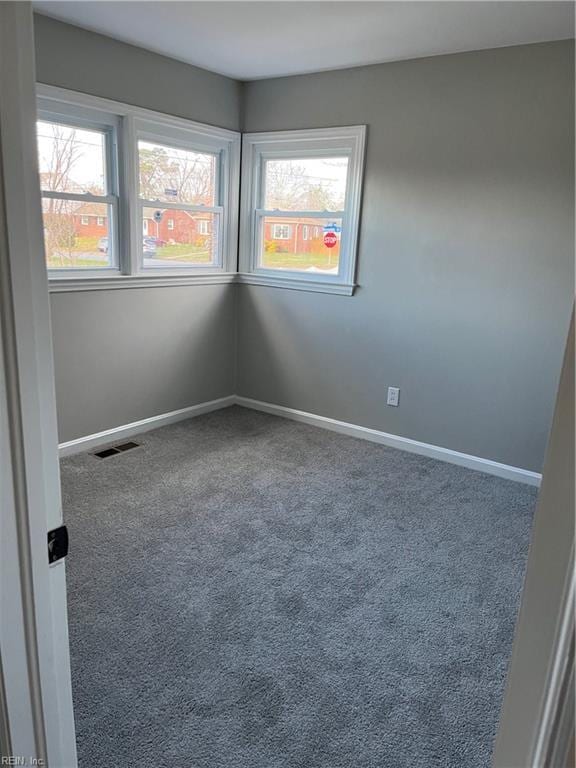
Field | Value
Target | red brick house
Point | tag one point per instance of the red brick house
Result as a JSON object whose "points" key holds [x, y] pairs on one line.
{"points": [[175, 226], [178, 226], [296, 236], [89, 220]]}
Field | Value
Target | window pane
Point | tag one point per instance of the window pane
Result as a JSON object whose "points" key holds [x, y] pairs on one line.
{"points": [[71, 159], [174, 238], [302, 244], [168, 174], [76, 234], [307, 184]]}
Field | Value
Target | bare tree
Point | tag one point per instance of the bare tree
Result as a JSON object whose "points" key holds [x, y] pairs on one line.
{"points": [[59, 230], [186, 177], [65, 151], [285, 185], [290, 187], [58, 163]]}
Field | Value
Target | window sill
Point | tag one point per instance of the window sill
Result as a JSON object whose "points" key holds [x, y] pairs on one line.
{"points": [[121, 282], [72, 284], [297, 284]]}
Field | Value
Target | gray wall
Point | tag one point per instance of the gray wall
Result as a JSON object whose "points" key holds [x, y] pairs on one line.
{"points": [[465, 260], [466, 253], [75, 58], [125, 355]]}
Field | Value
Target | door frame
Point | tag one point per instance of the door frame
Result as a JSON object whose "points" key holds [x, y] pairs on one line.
{"points": [[36, 713], [534, 729]]}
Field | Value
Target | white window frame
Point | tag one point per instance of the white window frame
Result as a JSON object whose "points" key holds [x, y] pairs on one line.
{"points": [[170, 225], [89, 118], [158, 132], [305, 231], [203, 227], [131, 123], [100, 221], [348, 141], [276, 227]]}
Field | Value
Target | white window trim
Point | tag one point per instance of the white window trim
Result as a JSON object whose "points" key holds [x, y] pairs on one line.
{"points": [[275, 228], [351, 141], [131, 121], [159, 133], [90, 118]]}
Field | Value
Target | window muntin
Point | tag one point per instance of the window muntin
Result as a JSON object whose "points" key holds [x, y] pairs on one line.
{"points": [[280, 231], [78, 185], [179, 194]]}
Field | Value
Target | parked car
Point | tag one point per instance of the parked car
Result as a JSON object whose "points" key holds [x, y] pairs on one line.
{"points": [[149, 245], [103, 245]]}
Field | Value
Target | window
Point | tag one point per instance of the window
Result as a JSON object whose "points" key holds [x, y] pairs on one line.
{"points": [[78, 182], [296, 183], [180, 179], [281, 231], [131, 193]]}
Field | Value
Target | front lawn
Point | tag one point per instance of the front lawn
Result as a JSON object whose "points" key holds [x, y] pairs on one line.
{"points": [[55, 262], [183, 252], [300, 261]]}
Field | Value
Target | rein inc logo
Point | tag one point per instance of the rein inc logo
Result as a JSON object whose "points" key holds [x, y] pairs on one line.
{"points": [[22, 760]]}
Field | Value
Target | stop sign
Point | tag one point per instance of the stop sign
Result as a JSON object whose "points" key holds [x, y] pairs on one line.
{"points": [[330, 239]]}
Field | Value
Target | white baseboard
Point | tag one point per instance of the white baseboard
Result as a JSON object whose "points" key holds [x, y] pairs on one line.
{"points": [[394, 441], [354, 430], [136, 427]]}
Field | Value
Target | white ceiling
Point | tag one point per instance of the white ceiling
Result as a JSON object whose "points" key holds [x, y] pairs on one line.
{"points": [[249, 40]]}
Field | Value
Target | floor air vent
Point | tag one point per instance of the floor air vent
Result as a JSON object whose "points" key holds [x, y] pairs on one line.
{"points": [[120, 448]]}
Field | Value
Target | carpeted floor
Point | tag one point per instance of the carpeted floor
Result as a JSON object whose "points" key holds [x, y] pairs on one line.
{"points": [[249, 592]]}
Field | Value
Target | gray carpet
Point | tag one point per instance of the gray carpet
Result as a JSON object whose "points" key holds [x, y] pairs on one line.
{"points": [[249, 592]]}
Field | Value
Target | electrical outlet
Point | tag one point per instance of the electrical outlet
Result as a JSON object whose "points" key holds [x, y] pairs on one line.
{"points": [[393, 396]]}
